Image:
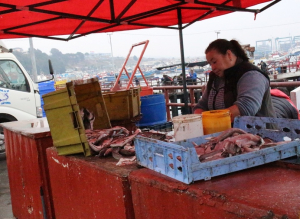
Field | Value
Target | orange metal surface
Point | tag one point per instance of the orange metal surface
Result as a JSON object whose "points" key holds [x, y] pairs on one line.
{"points": [[89, 187], [27, 169], [254, 193]]}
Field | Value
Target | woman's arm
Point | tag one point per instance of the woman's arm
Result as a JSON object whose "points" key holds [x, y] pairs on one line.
{"points": [[251, 89]]}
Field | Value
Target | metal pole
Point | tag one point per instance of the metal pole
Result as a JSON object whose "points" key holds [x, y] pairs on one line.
{"points": [[112, 56], [33, 63], [218, 32], [185, 94]]}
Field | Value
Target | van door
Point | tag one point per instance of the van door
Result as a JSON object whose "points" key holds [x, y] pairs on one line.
{"points": [[16, 93]]}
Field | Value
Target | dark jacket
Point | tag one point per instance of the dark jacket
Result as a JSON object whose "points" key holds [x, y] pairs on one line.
{"points": [[263, 66], [283, 105], [232, 76]]}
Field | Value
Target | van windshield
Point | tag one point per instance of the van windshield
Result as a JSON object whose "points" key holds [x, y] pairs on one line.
{"points": [[12, 77]]}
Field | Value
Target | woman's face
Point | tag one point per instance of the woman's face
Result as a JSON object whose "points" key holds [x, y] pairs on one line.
{"points": [[220, 62]]}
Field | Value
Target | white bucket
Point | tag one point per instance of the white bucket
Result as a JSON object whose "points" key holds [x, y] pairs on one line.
{"points": [[187, 126]]}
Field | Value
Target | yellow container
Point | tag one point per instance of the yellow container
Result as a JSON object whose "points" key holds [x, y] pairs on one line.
{"points": [[215, 121], [63, 111], [123, 104]]}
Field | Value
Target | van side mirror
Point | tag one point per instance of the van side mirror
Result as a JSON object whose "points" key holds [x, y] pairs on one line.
{"points": [[51, 72], [50, 68]]}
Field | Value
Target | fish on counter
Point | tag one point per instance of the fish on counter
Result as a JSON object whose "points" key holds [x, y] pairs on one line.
{"points": [[232, 142], [118, 142]]}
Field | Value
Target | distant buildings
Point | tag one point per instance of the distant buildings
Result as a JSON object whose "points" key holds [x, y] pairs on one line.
{"points": [[279, 44]]}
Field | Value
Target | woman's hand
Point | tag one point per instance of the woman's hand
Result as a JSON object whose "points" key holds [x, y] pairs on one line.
{"points": [[234, 111], [198, 111]]}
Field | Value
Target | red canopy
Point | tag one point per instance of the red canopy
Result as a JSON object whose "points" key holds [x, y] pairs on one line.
{"points": [[75, 18]]}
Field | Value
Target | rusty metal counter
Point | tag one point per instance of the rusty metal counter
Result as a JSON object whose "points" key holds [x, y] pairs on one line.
{"points": [[268, 190], [89, 187], [26, 142]]}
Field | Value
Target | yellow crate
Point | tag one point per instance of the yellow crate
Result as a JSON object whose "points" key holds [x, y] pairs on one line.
{"points": [[64, 113], [123, 104]]}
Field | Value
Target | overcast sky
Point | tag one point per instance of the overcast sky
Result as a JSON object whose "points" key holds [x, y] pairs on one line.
{"points": [[280, 20]]}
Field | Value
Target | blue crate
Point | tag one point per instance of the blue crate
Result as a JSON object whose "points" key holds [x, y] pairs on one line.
{"points": [[164, 127], [179, 160]]}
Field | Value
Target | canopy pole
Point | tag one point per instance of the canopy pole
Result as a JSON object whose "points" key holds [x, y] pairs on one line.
{"points": [[185, 94], [33, 62]]}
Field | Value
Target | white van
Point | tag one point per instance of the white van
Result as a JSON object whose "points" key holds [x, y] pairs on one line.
{"points": [[19, 95]]}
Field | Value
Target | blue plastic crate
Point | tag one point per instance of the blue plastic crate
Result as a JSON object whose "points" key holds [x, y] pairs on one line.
{"points": [[179, 160], [164, 127]]}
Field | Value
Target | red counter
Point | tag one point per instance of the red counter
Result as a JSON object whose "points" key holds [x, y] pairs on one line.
{"points": [[262, 191], [89, 187], [26, 143]]}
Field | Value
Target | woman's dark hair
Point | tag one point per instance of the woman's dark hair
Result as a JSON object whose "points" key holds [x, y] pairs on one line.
{"points": [[222, 45], [284, 90]]}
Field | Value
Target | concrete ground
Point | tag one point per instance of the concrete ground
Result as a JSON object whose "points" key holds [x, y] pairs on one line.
{"points": [[5, 201]]}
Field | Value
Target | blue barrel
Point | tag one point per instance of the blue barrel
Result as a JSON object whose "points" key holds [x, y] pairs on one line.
{"points": [[44, 88], [153, 109]]}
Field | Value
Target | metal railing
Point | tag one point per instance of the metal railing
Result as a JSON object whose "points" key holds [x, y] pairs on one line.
{"points": [[166, 90]]}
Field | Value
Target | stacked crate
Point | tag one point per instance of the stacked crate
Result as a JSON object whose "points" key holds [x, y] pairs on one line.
{"points": [[123, 107], [63, 108], [64, 111]]}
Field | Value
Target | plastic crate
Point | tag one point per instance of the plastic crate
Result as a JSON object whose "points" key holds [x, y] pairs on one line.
{"points": [[179, 160], [62, 109], [123, 104]]}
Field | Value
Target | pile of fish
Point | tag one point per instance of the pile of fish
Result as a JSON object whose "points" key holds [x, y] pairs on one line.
{"points": [[118, 142], [232, 142]]}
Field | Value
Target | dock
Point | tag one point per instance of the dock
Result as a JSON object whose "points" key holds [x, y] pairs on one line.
{"points": [[295, 76]]}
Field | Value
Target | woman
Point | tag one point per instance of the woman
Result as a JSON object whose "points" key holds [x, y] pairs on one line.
{"points": [[234, 83]]}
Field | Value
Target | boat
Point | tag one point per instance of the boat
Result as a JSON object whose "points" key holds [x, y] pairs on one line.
{"points": [[295, 51], [147, 74]]}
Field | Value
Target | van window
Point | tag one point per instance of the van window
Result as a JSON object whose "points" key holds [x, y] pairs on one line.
{"points": [[12, 77]]}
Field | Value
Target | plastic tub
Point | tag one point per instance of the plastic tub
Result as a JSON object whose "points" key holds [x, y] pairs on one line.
{"points": [[215, 121], [44, 88], [187, 126], [153, 109]]}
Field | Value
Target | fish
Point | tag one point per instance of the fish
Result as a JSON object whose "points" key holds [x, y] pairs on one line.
{"points": [[209, 155], [88, 118], [240, 143], [225, 134], [126, 161], [232, 142], [127, 152], [272, 144], [213, 141]]}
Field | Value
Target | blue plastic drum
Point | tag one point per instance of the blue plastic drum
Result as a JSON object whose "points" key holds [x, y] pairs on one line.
{"points": [[153, 109], [44, 88]]}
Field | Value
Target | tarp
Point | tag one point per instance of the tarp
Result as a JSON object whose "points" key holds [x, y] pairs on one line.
{"points": [[76, 18], [191, 64], [53, 19]]}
